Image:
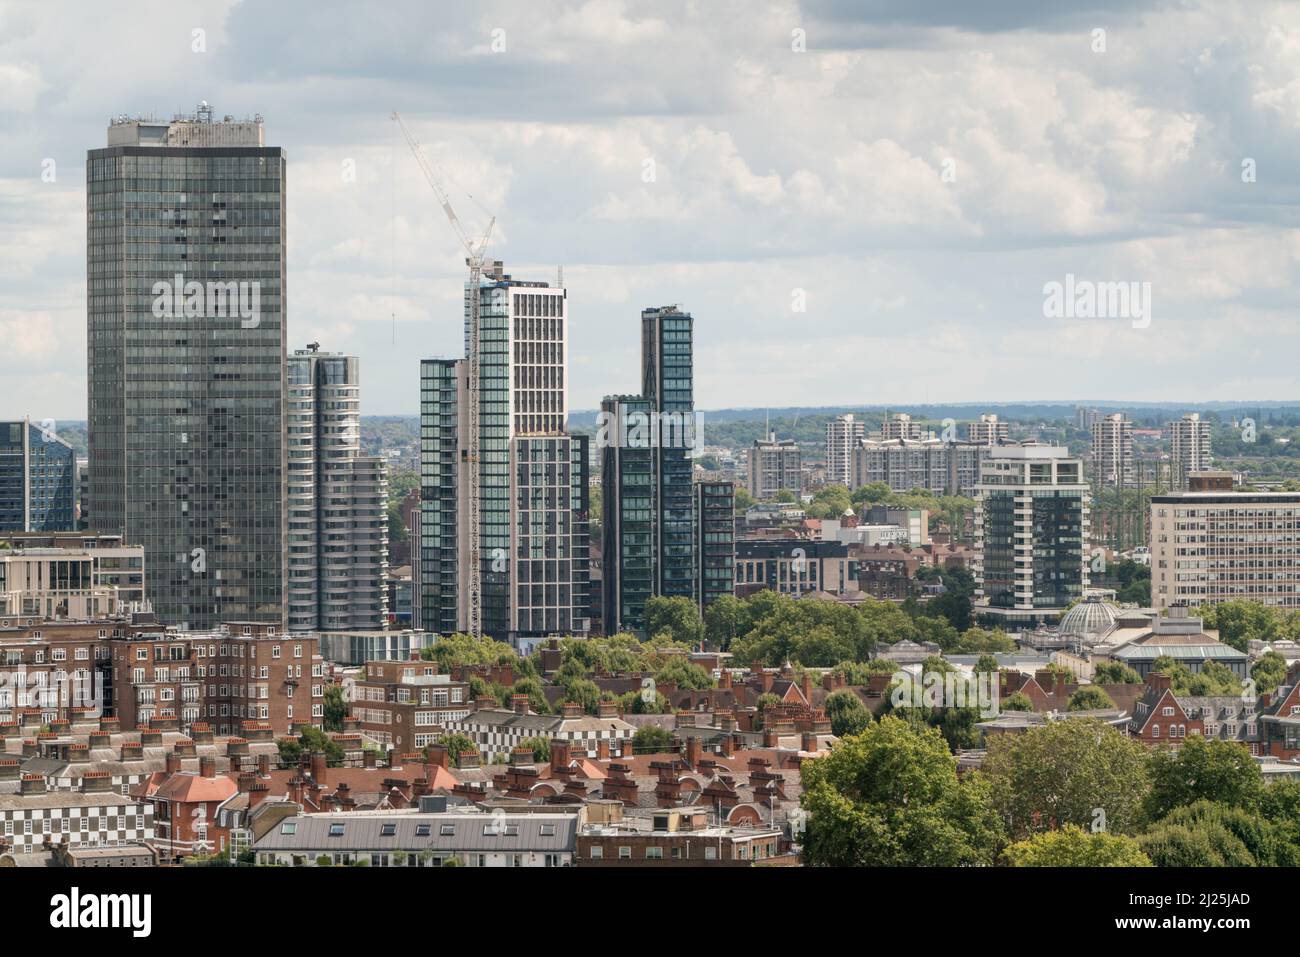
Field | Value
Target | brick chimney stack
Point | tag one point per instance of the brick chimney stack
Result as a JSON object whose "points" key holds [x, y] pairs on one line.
{"points": [[559, 753], [318, 766], [1158, 681], [172, 763], [693, 751], [207, 766], [519, 703]]}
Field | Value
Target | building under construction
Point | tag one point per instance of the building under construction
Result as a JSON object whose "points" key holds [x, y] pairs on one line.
{"points": [[533, 506]]}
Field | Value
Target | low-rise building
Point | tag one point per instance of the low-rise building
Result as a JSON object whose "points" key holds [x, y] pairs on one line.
{"points": [[419, 838]]}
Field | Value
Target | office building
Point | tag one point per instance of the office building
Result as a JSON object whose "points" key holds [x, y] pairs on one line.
{"points": [[533, 493], [185, 261], [987, 431], [1210, 544], [1112, 450], [38, 475], [774, 467], [338, 500], [843, 433], [1189, 447], [1031, 533]]}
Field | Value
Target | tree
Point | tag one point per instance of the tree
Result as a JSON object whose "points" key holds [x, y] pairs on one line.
{"points": [[583, 692], [685, 674], [987, 664], [977, 641], [461, 649], [650, 739], [336, 709], [1018, 701], [1268, 672], [1072, 846], [722, 622], [541, 748], [1090, 698], [890, 796], [1238, 621], [1202, 769], [1115, 673], [1062, 772], [1206, 845], [847, 714], [456, 744], [311, 739], [679, 616]]}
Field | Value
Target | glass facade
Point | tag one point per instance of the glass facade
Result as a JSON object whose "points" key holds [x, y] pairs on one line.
{"points": [[628, 507], [38, 475], [667, 384], [532, 475], [187, 396]]}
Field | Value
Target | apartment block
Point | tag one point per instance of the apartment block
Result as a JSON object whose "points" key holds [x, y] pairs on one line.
{"points": [[1112, 450], [533, 507], [774, 467], [843, 433], [1032, 527], [404, 705], [1189, 447]]}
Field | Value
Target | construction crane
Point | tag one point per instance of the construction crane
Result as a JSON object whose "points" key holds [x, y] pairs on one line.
{"points": [[474, 259]]}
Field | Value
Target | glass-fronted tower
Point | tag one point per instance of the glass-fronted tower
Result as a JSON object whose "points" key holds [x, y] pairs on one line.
{"points": [[38, 475], [533, 499], [185, 271], [667, 385]]}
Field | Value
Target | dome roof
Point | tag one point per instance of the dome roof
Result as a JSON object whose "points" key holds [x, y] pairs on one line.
{"points": [[1090, 617]]}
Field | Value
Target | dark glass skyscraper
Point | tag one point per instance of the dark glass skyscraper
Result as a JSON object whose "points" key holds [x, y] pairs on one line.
{"points": [[667, 384], [185, 253], [38, 473], [661, 535]]}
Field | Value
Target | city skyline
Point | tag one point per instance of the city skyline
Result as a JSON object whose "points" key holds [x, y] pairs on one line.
{"points": [[811, 170]]}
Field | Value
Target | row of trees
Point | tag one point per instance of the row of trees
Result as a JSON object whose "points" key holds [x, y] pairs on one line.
{"points": [[1069, 793]]}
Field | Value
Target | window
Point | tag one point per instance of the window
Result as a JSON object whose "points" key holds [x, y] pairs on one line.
{"points": [[387, 830], [654, 853], [421, 830], [447, 830], [1168, 712], [336, 830], [710, 852], [289, 827], [548, 830], [625, 853], [597, 852]]}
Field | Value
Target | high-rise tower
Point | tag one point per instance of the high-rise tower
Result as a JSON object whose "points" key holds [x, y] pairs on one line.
{"points": [[185, 274]]}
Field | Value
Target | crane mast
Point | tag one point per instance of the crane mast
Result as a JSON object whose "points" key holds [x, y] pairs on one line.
{"points": [[474, 258]]}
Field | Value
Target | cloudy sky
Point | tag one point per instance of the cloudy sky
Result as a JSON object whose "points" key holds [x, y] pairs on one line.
{"points": [[861, 202]]}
